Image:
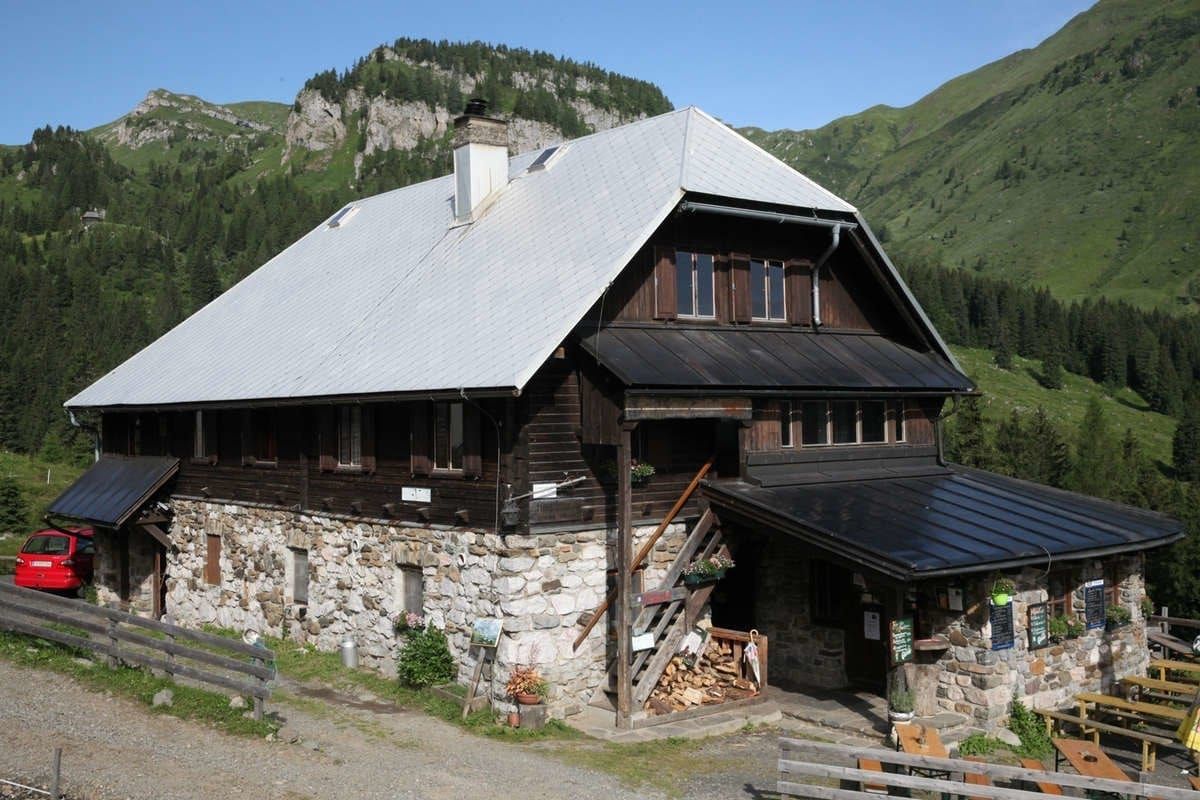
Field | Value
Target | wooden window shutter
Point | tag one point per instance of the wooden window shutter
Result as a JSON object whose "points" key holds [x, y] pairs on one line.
{"points": [[247, 437], [740, 269], [327, 434], [798, 288], [472, 442], [368, 438], [665, 302], [421, 445]]}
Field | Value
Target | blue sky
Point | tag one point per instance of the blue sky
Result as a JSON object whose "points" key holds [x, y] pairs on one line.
{"points": [[774, 64]]}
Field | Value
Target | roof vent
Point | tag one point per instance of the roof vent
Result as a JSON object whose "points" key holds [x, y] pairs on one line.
{"points": [[342, 217]]}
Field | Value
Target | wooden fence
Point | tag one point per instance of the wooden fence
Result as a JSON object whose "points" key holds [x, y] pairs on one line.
{"points": [[829, 772], [127, 638]]}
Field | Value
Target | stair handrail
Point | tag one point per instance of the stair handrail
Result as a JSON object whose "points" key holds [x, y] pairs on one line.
{"points": [[648, 546]]}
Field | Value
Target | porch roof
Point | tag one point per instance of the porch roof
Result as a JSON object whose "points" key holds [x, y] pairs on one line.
{"points": [[724, 358], [113, 489], [949, 521]]}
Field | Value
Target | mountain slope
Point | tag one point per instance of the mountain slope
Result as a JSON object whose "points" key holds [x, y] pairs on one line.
{"points": [[1074, 165]]}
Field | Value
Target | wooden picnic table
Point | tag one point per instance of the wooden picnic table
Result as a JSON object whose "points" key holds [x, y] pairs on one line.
{"points": [[1128, 708], [976, 778], [1164, 664], [1195, 782], [920, 740], [1187, 690], [1088, 759]]}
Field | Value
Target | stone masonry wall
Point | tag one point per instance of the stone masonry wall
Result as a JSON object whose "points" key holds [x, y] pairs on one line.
{"points": [[979, 682], [107, 578], [542, 585]]}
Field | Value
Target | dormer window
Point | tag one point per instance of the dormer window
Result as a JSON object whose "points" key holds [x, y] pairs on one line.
{"points": [[694, 285], [766, 290]]}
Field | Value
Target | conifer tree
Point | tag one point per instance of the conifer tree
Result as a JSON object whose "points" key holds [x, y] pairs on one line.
{"points": [[1052, 368], [1011, 446], [1185, 446], [14, 515], [1004, 354], [1048, 456], [1094, 453], [970, 442]]}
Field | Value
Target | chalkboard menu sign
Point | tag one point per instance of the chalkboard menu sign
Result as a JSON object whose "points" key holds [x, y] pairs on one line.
{"points": [[1093, 603], [902, 640], [1039, 631], [1003, 634]]}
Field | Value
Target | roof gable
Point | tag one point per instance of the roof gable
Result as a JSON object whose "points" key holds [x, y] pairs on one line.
{"points": [[400, 299]]}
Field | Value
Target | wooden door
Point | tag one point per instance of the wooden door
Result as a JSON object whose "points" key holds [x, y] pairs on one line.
{"points": [[866, 642]]}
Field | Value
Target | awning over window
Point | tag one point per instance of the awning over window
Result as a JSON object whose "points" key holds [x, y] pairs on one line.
{"points": [[113, 489], [765, 358], [952, 521]]}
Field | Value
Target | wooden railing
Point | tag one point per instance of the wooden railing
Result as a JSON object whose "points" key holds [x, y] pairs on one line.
{"points": [[817, 770], [214, 660], [648, 546]]}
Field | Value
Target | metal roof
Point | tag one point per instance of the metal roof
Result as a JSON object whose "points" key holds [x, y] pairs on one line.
{"points": [[400, 299], [113, 489], [954, 521], [765, 358]]}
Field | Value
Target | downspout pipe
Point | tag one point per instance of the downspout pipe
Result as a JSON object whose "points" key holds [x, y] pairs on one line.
{"points": [[835, 238]]}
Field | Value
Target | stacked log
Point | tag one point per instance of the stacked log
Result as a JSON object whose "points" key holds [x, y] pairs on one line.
{"points": [[715, 676]]}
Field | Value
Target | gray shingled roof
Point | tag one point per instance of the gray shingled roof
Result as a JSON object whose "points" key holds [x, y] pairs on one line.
{"points": [[400, 300]]}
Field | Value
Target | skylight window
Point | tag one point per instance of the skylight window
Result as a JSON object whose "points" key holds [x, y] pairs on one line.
{"points": [[342, 217], [545, 158]]}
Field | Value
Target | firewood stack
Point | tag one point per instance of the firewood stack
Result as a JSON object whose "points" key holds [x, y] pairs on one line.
{"points": [[715, 677]]}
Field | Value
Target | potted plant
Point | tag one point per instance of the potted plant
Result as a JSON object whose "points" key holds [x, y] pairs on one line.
{"points": [[1058, 627], [1002, 589], [900, 706], [1117, 616], [526, 685], [640, 473], [704, 570]]}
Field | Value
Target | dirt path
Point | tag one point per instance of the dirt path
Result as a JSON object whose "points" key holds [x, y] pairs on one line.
{"points": [[115, 748]]}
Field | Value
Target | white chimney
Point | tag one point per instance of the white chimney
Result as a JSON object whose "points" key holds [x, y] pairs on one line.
{"points": [[480, 158]]}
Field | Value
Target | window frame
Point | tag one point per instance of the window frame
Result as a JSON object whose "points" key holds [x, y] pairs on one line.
{"points": [[199, 442], [436, 453], [1061, 604], [297, 556], [787, 437], [898, 425], [694, 298], [889, 409], [833, 614], [346, 415], [411, 580], [764, 286], [862, 422], [264, 429]]}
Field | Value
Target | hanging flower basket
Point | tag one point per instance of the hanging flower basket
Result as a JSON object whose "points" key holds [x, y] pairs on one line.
{"points": [[641, 473], [707, 570], [1002, 589]]}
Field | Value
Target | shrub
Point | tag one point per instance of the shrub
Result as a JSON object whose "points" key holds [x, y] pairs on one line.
{"points": [[425, 659], [977, 745], [1028, 727]]}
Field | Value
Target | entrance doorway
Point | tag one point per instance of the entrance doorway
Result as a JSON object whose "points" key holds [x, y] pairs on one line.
{"points": [[734, 598]]}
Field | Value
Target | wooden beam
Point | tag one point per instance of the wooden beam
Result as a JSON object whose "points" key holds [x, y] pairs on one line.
{"points": [[624, 574]]}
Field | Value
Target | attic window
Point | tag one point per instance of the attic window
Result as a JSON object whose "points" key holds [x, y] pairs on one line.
{"points": [[342, 217], [544, 158]]}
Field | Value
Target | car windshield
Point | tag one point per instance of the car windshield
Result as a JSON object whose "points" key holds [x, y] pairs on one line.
{"points": [[48, 545]]}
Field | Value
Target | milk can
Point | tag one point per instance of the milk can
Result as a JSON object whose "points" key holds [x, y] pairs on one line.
{"points": [[349, 654]]}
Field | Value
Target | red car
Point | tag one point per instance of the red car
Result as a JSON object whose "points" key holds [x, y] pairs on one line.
{"points": [[59, 560]]}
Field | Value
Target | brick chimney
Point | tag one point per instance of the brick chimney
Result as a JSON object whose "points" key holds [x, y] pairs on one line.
{"points": [[480, 158]]}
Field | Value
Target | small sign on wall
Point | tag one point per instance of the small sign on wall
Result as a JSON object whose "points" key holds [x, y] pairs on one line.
{"points": [[1093, 603], [1039, 626], [902, 640], [1003, 635], [871, 625], [954, 597], [643, 641], [416, 494]]}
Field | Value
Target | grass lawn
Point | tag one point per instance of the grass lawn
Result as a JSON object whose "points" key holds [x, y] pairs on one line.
{"points": [[40, 482], [1018, 388]]}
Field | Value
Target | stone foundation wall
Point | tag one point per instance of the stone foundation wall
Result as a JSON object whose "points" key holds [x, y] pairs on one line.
{"points": [[979, 682], [107, 568], [801, 652], [543, 586]]}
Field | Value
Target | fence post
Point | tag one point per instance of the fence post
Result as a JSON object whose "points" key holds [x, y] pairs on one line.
{"points": [[55, 774], [111, 628], [258, 701], [170, 656]]}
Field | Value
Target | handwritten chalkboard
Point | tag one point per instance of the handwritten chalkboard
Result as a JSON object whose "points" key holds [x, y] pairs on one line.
{"points": [[1093, 603], [902, 640], [1039, 631], [1003, 634]]}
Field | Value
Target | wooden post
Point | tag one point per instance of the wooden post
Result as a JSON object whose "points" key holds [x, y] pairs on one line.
{"points": [[473, 687], [56, 774], [170, 656], [258, 701], [624, 579], [111, 629]]}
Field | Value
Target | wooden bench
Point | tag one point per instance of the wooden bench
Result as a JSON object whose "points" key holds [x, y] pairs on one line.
{"points": [[1166, 691], [1090, 727], [1195, 782], [872, 765], [1191, 669], [1142, 711], [976, 778], [1046, 787]]}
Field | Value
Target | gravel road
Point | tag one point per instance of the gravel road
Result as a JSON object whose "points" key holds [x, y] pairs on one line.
{"points": [[113, 748]]}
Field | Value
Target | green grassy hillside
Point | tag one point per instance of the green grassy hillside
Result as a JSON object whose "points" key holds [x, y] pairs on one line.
{"points": [[1074, 165], [1018, 388], [40, 483]]}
